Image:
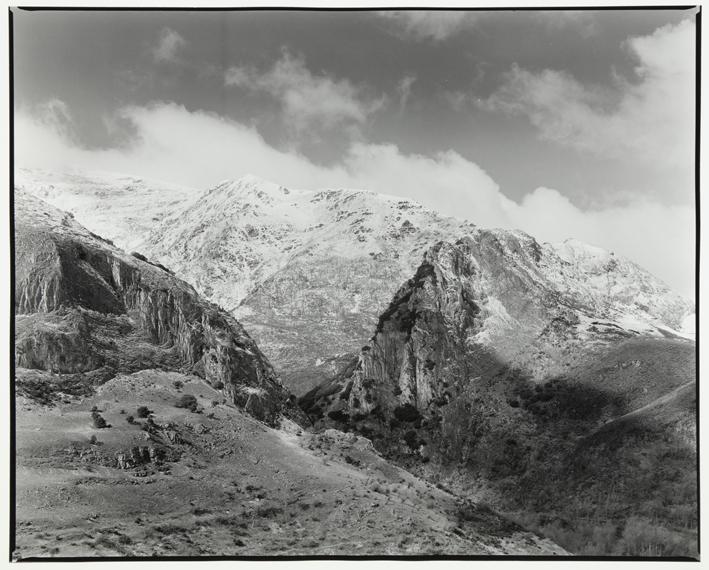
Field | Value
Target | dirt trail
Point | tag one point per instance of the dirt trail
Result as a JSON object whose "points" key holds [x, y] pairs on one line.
{"points": [[655, 403]]}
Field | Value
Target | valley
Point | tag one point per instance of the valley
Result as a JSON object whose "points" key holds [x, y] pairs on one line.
{"points": [[340, 372]]}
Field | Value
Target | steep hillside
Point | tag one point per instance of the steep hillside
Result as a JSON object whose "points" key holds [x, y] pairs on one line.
{"points": [[489, 376], [86, 311]]}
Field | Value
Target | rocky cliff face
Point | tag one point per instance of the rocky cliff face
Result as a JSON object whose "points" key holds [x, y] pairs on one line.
{"points": [[495, 299], [495, 366], [85, 306]]}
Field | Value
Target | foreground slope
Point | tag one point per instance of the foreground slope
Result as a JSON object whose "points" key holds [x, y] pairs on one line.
{"points": [[224, 484], [487, 375]]}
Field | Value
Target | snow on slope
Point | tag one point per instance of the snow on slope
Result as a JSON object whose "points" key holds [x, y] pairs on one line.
{"points": [[621, 287], [241, 232], [118, 207], [308, 272]]}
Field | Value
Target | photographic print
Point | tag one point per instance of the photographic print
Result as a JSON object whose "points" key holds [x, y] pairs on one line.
{"points": [[354, 283]]}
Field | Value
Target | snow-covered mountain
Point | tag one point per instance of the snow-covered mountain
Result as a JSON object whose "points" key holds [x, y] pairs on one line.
{"points": [[118, 207], [309, 272]]}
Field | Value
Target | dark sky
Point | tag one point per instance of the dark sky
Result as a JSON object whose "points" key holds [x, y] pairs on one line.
{"points": [[99, 62], [595, 105]]}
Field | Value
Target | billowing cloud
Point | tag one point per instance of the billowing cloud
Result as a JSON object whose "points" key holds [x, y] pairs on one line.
{"points": [[658, 237], [199, 149], [168, 45], [430, 25], [648, 121], [307, 99]]}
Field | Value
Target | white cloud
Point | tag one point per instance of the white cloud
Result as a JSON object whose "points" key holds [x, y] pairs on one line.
{"points": [[169, 44], [431, 25], [200, 149], [648, 121], [658, 237], [307, 99]]}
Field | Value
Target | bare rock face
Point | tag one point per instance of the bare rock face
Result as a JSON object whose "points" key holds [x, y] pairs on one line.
{"points": [[484, 368], [58, 342], [481, 303], [82, 304]]}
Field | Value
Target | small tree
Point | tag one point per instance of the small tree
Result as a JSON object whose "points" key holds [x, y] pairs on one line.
{"points": [[130, 419], [93, 440], [187, 401]]}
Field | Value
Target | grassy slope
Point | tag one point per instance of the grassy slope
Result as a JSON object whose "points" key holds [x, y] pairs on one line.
{"points": [[604, 460], [238, 487]]}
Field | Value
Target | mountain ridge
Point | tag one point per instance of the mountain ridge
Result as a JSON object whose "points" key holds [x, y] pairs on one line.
{"points": [[307, 270]]}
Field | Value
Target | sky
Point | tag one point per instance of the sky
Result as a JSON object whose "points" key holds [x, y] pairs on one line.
{"points": [[565, 124]]}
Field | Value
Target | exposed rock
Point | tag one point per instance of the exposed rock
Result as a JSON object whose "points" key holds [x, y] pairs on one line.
{"points": [[82, 302]]}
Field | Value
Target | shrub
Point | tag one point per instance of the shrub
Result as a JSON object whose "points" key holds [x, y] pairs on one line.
{"points": [[130, 419], [411, 439], [338, 416], [143, 411], [178, 384], [406, 413], [219, 385], [187, 401], [93, 440], [643, 537], [99, 422]]}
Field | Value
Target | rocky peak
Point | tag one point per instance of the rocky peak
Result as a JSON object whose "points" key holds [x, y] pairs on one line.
{"points": [[490, 297]]}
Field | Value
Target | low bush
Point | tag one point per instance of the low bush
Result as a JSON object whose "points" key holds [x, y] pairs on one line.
{"points": [[187, 401], [98, 420], [406, 413]]}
